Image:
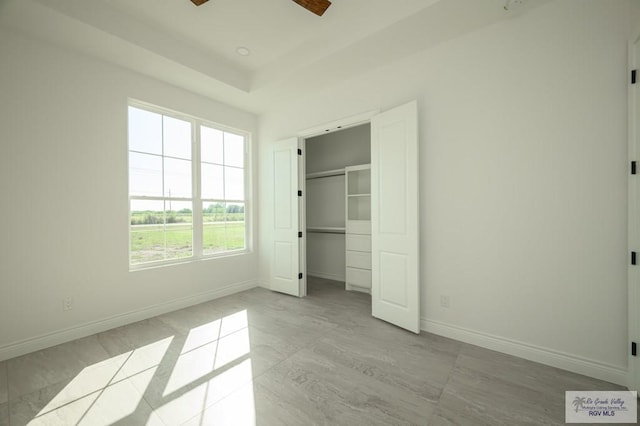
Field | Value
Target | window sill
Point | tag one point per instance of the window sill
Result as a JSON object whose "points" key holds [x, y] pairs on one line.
{"points": [[186, 261]]}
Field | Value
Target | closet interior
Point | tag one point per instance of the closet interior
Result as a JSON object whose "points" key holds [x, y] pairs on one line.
{"points": [[338, 207]]}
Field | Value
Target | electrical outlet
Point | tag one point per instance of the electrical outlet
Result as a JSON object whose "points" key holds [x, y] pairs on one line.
{"points": [[445, 302], [67, 303]]}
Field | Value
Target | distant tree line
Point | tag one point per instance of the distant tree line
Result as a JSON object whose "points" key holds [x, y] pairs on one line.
{"points": [[213, 213], [220, 208]]}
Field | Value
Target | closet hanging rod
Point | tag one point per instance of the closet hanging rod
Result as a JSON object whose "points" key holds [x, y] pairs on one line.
{"points": [[326, 230], [324, 174]]}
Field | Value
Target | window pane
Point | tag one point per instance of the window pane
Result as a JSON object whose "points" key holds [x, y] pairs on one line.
{"points": [[147, 231], [233, 150], [145, 175], [160, 230], [233, 183], [179, 229], [213, 231], [177, 178], [145, 131], [211, 145], [212, 182], [213, 211], [177, 138], [235, 226]]}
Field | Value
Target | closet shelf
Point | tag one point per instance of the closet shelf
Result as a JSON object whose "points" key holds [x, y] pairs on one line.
{"points": [[326, 229], [326, 173], [358, 195]]}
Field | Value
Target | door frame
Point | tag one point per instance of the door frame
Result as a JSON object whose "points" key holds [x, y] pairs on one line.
{"points": [[303, 135], [302, 219], [633, 225]]}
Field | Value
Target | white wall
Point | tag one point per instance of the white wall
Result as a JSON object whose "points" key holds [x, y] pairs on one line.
{"points": [[336, 150], [63, 186], [523, 179]]}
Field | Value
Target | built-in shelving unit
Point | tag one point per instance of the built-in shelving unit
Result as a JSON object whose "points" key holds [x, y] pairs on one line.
{"points": [[358, 199], [358, 227]]}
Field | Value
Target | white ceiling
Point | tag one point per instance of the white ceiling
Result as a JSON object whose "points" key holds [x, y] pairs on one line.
{"points": [[195, 47], [273, 30]]}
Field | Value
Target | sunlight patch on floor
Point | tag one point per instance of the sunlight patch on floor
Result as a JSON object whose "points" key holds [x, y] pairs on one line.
{"points": [[104, 393], [144, 358], [183, 407], [234, 322], [90, 380], [199, 336], [117, 401], [213, 365], [204, 360], [237, 409]]}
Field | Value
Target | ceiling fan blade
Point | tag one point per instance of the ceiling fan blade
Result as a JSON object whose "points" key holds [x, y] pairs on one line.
{"points": [[199, 2], [316, 6]]}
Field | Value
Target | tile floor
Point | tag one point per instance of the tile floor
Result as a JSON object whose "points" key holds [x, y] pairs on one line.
{"points": [[263, 358]]}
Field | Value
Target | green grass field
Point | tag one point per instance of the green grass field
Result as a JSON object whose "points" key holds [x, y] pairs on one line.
{"points": [[152, 243]]}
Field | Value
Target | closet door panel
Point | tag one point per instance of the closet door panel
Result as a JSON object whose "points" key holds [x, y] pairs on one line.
{"points": [[394, 217], [285, 250]]}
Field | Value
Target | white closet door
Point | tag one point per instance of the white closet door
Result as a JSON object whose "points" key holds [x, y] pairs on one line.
{"points": [[285, 254], [395, 286]]}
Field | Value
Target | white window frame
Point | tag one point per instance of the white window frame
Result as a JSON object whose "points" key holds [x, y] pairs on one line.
{"points": [[196, 198]]}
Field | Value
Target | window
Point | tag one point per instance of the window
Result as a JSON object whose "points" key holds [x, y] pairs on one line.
{"points": [[187, 190]]}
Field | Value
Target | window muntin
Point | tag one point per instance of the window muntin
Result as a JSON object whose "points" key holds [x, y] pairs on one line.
{"points": [[181, 208]]}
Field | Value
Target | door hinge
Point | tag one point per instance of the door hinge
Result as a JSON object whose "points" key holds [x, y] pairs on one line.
{"points": [[300, 276], [633, 76], [300, 234], [633, 257], [299, 193], [634, 167], [634, 349], [299, 152]]}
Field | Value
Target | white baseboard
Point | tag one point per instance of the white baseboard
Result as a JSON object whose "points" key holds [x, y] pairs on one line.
{"points": [[564, 361], [334, 277], [66, 335]]}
